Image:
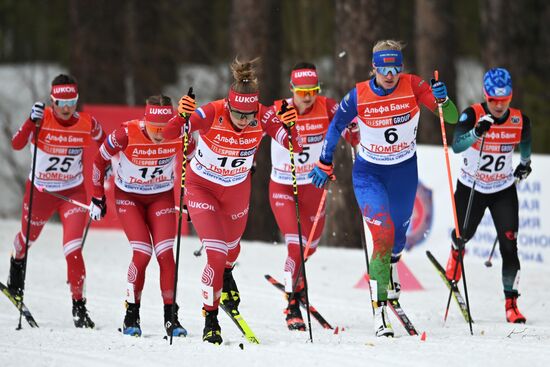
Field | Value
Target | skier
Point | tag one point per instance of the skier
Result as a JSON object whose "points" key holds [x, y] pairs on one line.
{"points": [[217, 188], [144, 198], [385, 173], [501, 128], [62, 136], [314, 115]]}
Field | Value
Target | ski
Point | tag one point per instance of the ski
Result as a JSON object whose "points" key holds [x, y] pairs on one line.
{"points": [[402, 316], [312, 310], [236, 317], [26, 313], [453, 286]]}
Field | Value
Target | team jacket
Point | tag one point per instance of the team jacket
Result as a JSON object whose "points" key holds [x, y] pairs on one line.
{"points": [[224, 155], [143, 167], [60, 145], [494, 172]]}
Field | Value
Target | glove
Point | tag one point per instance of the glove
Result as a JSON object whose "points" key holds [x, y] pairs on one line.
{"points": [[288, 115], [483, 125], [186, 106], [321, 173], [439, 90], [522, 170], [98, 208], [37, 111]]}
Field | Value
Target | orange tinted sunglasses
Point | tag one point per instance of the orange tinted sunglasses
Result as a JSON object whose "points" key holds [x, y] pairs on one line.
{"points": [[499, 99], [304, 92]]}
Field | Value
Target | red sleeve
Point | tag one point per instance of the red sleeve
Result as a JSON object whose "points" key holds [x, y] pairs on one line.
{"points": [[275, 128], [423, 92], [332, 107], [97, 132], [200, 120], [114, 143], [21, 137]]}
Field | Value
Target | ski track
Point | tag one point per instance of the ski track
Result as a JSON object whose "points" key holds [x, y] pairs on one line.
{"points": [[332, 273]]}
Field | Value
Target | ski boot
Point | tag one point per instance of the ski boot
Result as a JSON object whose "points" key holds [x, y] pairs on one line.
{"points": [[382, 326], [512, 313], [15, 278], [131, 320], [81, 317], [452, 264], [212, 332], [394, 288], [230, 297], [294, 319], [173, 329]]}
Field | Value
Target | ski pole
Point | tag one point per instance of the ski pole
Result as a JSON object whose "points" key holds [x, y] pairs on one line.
{"points": [[450, 181], [315, 221], [488, 263], [29, 219], [180, 217], [198, 252], [62, 197], [295, 194]]}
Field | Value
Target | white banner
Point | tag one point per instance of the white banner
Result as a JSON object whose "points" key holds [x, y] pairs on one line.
{"points": [[534, 209]]}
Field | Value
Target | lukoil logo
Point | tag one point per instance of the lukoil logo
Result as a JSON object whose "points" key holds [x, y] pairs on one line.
{"points": [[246, 99], [160, 111], [64, 89]]}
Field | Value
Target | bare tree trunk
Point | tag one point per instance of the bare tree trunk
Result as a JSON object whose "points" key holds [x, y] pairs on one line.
{"points": [[255, 31], [95, 58], [500, 34], [435, 50], [359, 24]]}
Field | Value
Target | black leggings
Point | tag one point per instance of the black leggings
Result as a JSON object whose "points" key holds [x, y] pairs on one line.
{"points": [[503, 206]]}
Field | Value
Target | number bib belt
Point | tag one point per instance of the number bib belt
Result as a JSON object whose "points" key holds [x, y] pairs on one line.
{"points": [[59, 152], [312, 128], [495, 169], [387, 124], [225, 156], [145, 167]]}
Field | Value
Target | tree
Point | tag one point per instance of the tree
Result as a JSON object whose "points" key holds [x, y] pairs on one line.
{"points": [[359, 24], [434, 50], [255, 31]]}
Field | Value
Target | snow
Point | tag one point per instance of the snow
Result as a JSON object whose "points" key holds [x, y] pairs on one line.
{"points": [[332, 273]]}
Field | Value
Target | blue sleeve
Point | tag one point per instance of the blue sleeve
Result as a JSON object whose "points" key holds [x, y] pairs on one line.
{"points": [[346, 112]]}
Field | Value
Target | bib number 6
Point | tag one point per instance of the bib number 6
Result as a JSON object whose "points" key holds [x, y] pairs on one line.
{"points": [[391, 135]]}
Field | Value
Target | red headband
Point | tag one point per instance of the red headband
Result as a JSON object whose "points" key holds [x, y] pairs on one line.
{"points": [[304, 77], [158, 113], [243, 102], [64, 91]]}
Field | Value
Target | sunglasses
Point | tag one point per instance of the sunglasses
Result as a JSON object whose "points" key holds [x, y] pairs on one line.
{"points": [[304, 92], [65, 102], [499, 99], [239, 115], [385, 70]]}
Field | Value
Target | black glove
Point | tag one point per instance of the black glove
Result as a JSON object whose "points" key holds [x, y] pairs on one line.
{"points": [[483, 125], [98, 208], [523, 170]]}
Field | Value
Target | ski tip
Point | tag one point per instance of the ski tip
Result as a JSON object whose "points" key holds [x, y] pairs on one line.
{"points": [[423, 336]]}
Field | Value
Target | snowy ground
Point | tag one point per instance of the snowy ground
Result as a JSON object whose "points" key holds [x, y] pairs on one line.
{"points": [[332, 273]]}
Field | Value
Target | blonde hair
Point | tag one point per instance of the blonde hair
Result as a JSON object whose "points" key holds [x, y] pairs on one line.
{"points": [[244, 75], [388, 45]]}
